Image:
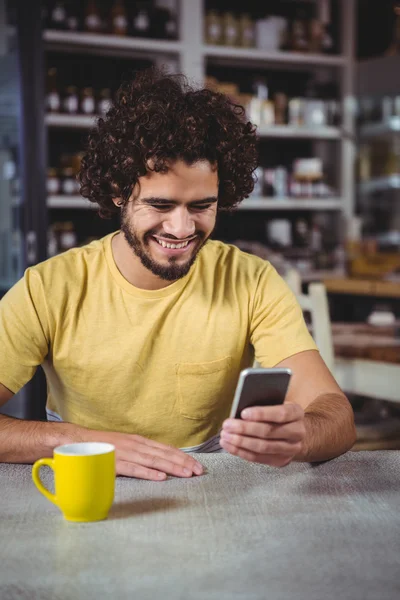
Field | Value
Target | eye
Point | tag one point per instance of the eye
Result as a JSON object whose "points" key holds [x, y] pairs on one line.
{"points": [[162, 207], [201, 207]]}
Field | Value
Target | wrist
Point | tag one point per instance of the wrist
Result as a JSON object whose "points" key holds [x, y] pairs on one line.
{"points": [[59, 434]]}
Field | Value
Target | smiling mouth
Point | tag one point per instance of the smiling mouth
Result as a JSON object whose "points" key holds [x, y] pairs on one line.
{"points": [[173, 245]]}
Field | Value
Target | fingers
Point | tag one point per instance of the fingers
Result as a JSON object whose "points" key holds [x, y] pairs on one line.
{"points": [[259, 446], [283, 413], [173, 455], [129, 469], [292, 432], [156, 462], [273, 460]]}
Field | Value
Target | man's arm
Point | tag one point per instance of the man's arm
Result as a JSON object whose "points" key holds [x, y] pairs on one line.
{"points": [[26, 441], [315, 423], [329, 417]]}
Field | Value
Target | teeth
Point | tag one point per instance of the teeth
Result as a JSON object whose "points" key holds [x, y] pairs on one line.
{"points": [[174, 246]]}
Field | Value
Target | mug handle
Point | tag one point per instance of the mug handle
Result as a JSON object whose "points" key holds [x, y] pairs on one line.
{"points": [[48, 462]]}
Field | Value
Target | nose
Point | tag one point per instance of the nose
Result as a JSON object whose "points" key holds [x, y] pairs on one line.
{"points": [[180, 223]]}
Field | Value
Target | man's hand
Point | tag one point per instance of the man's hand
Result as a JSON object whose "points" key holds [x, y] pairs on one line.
{"points": [[140, 457], [271, 435]]}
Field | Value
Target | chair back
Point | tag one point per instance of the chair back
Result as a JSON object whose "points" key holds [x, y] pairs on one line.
{"points": [[316, 303]]}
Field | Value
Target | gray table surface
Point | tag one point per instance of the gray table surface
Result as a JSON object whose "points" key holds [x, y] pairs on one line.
{"points": [[241, 531]]}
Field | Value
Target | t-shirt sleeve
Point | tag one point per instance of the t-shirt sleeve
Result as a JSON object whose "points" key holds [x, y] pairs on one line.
{"points": [[24, 331], [278, 329]]}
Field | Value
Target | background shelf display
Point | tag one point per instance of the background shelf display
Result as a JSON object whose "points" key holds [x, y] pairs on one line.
{"points": [[274, 204], [266, 203], [274, 131], [380, 184], [332, 143], [289, 131], [253, 57], [380, 129], [71, 121], [67, 41]]}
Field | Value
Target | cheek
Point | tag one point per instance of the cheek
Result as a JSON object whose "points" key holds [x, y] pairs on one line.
{"points": [[206, 222], [147, 222]]}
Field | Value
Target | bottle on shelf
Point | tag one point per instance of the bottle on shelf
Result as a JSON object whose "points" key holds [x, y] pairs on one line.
{"points": [[71, 100], [316, 37], [53, 184], [394, 47], [299, 41], [141, 21], [58, 16], [163, 22], [105, 102], [87, 103], [261, 109], [119, 18], [280, 111], [67, 236], [53, 100], [72, 22], [213, 28], [247, 33], [93, 22], [230, 29], [68, 183], [326, 21]]}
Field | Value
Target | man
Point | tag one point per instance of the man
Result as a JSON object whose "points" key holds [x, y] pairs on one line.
{"points": [[142, 334]]}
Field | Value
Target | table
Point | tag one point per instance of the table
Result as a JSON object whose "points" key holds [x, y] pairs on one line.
{"points": [[242, 531], [367, 359]]}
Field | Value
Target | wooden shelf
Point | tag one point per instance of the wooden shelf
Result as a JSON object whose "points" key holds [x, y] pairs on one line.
{"points": [[70, 121], [363, 287], [70, 41], [76, 201], [70, 202], [266, 203], [380, 129], [379, 184], [290, 132], [255, 56]]}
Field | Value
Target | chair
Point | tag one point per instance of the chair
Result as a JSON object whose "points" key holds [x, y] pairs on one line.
{"points": [[316, 303]]}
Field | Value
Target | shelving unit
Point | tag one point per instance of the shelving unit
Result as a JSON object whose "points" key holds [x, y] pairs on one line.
{"points": [[191, 56]]}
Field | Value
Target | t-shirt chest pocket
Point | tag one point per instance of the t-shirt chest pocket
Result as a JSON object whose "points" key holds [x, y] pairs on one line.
{"points": [[204, 389]]}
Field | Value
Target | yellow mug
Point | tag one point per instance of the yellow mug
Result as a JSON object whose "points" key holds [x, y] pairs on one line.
{"points": [[84, 480]]}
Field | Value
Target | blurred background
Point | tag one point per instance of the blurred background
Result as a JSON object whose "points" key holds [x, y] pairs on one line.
{"points": [[320, 80]]}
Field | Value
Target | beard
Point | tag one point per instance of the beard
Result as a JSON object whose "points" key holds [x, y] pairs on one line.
{"points": [[141, 247]]}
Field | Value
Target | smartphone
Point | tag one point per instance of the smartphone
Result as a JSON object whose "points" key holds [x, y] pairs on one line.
{"points": [[260, 387]]}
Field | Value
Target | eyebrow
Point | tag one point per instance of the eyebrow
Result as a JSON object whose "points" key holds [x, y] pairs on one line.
{"points": [[160, 201]]}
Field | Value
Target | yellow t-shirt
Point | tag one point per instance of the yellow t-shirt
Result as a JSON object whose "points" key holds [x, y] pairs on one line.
{"points": [[159, 363]]}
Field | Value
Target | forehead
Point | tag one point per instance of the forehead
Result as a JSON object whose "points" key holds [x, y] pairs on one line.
{"points": [[181, 181]]}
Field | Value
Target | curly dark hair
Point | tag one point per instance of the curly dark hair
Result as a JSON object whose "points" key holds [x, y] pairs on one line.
{"points": [[160, 117]]}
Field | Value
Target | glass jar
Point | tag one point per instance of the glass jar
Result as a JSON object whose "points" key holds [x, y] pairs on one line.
{"points": [[213, 25], [88, 104], [71, 101], [53, 184], [247, 33], [230, 29]]}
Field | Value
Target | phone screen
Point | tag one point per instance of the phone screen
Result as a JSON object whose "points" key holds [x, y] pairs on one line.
{"points": [[260, 387]]}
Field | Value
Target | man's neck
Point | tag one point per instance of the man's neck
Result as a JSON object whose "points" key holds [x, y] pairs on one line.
{"points": [[130, 266]]}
